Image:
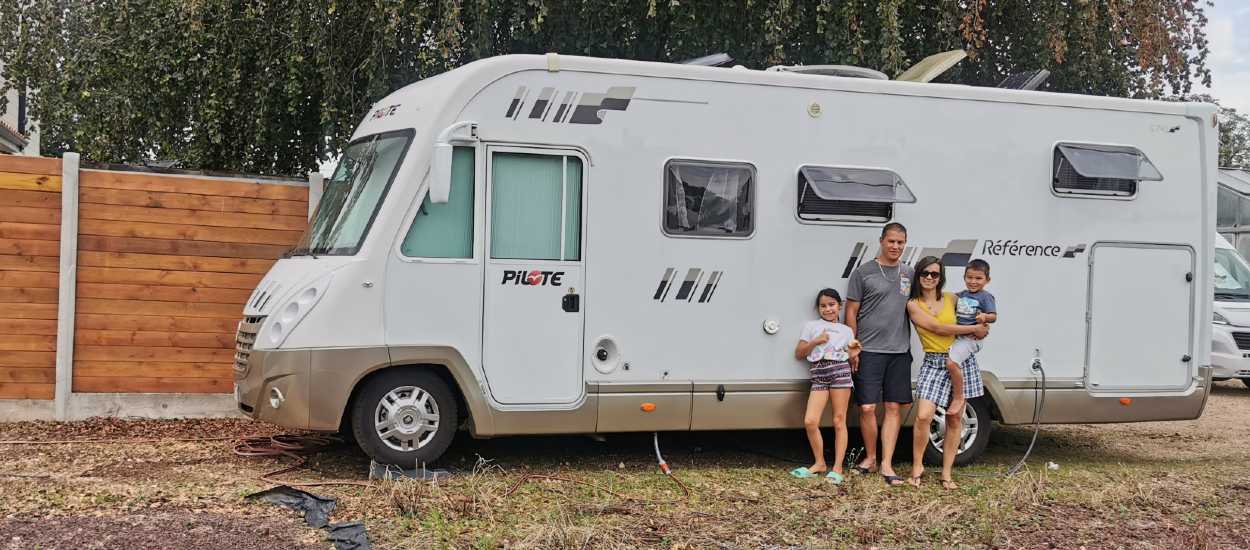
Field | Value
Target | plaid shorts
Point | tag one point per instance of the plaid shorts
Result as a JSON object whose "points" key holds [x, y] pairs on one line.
{"points": [[934, 383]]}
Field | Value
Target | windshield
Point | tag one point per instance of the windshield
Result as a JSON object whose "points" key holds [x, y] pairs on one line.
{"points": [[352, 197], [1232, 276]]}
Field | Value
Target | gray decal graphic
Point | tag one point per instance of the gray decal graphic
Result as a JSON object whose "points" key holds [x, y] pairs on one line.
{"points": [[540, 105], [518, 102], [710, 287], [1072, 251], [564, 107], [692, 280], [689, 287], [586, 108], [665, 281], [959, 252]]}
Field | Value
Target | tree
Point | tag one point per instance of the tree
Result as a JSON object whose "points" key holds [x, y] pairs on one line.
{"points": [[272, 86]]}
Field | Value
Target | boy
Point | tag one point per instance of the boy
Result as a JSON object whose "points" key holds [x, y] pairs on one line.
{"points": [[974, 306]]}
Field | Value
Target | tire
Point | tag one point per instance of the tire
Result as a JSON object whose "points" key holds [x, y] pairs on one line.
{"points": [[410, 437], [1246, 381], [978, 437]]}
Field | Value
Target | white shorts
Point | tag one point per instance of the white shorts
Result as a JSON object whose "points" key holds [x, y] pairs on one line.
{"points": [[963, 348]]}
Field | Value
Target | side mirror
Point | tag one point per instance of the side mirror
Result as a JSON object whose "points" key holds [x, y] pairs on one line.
{"points": [[440, 164], [440, 173]]}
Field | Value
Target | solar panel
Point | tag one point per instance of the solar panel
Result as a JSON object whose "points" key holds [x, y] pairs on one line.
{"points": [[1027, 80]]}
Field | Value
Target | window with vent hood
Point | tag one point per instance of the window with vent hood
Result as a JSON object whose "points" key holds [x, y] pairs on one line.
{"points": [[842, 194], [1112, 171]]}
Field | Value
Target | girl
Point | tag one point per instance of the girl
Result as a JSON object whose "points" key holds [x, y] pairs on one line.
{"points": [[828, 346], [933, 313]]}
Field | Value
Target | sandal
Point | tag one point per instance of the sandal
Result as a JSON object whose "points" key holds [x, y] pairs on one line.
{"points": [[861, 470], [949, 484], [834, 477], [803, 473], [914, 481], [893, 481]]}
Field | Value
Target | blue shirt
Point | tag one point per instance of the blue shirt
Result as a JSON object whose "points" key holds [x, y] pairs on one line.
{"points": [[969, 304]]}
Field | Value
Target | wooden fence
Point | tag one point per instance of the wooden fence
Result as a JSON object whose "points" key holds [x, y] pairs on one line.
{"points": [[164, 265], [30, 230]]}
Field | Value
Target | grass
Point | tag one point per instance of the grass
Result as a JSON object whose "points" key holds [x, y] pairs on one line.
{"points": [[1157, 485]]}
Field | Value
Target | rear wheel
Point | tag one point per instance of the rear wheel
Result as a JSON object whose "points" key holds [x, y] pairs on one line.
{"points": [[1246, 381], [974, 433], [405, 417]]}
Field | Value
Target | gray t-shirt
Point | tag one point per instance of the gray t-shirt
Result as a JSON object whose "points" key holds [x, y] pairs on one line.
{"points": [[969, 304], [882, 295]]}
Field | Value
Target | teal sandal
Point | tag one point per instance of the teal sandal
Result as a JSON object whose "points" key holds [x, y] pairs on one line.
{"points": [[834, 477], [803, 473]]}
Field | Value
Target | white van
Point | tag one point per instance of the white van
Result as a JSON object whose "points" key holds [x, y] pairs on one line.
{"points": [[1230, 344], [550, 244]]}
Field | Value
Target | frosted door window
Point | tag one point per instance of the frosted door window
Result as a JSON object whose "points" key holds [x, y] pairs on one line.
{"points": [[535, 207], [446, 230]]}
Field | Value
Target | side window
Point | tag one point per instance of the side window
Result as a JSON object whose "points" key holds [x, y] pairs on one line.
{"points": [[1100, 170], [446, 230], [709, 199], [536, 207], [830, 193]]}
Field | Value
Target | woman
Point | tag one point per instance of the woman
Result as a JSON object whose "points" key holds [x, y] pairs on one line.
{"points": [[933, 313]]}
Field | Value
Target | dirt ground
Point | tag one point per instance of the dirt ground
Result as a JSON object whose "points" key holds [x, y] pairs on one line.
{"points": [[1152, 485]]}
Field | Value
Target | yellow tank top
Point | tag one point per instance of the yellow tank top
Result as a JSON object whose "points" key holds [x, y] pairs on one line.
{"points": [[936, 343]]}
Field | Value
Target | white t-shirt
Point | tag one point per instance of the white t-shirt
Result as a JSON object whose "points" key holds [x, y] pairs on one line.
{"points": [[840, 336]]}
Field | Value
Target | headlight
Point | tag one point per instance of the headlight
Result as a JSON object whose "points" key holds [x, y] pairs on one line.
{"points": [[292, 312], [1219, 319]]}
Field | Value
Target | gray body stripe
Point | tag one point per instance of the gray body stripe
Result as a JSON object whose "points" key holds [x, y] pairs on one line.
{"points": [[664, 282], [707, 289], [688, 284]]}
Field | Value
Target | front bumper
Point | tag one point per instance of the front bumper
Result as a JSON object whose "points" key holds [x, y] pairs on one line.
{"points": [[271, 374], [1228, 359]]}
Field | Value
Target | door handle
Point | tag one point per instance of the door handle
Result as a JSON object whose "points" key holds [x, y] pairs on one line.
{"points": [[571, 302], [1186, 358]]}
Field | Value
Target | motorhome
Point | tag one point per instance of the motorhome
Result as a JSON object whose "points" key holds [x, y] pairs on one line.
{"points": [[1230, 335], [540, 244]]}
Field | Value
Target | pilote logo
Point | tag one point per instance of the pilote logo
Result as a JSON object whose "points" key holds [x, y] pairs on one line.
{"points": [[532, 278]]}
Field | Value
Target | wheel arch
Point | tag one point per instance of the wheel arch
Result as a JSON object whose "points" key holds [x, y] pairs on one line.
{"points": [[449, 365]]}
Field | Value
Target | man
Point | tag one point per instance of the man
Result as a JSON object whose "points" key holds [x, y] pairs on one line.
{"points": [[876, 310]]}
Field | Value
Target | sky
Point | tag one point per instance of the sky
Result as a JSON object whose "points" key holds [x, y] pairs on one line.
{"points": [[1228, 29]]}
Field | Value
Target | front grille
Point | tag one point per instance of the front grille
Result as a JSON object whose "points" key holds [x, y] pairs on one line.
{"points": [[1243, 339], [244, 339]]}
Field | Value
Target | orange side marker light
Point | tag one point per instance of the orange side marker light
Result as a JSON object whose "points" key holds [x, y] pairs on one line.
{"points": [[647, 407], [1126, 401]]}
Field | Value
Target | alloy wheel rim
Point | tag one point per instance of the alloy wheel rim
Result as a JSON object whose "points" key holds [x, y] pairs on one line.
{"points": [[406, 418], [967, 429]]}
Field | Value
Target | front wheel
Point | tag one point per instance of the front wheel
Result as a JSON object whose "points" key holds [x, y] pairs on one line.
{"points": [[1246, 381], [974, 433], [405, 417]]}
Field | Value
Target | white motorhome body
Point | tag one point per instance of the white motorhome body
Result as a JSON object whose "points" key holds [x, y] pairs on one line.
{"points": [[1230, 335], [631, 246]]}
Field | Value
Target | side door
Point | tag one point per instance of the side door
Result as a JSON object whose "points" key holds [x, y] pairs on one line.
{"points": [[1141, 316], [535, 276]]}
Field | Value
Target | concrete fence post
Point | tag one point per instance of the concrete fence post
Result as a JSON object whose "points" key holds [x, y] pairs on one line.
{"points": [[68, 282], [316, 184]]}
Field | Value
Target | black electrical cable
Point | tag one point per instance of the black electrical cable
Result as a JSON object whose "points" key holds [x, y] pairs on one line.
{"points": [[1039, 401]]}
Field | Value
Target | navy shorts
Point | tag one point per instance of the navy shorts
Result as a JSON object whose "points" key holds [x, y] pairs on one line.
{"points": [[883, 377]]}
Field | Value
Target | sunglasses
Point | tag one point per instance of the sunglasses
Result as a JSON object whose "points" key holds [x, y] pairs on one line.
{"points": [[930, 274]]}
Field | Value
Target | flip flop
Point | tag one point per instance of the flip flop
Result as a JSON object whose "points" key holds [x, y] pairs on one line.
{"points": [[949, 484], [891, 480], [803, 473], [834, 477], [861, 470]]}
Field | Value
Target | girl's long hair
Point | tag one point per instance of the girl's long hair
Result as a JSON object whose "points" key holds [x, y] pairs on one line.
{"points": [[916, 290]]}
